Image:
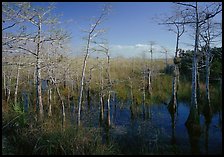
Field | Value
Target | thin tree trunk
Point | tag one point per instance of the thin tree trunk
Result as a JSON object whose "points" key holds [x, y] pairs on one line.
{"points": [[34, 78], [149, 81], [17, 82], [8, 88], [144, 87], [194, 66], [193, 118], [4, 85], [62, 102], [101, 94], [49, 101], [143, 110], [38, 74], [82, 81], [207, 75], [109, 86], [108, 109], [198, 85]]}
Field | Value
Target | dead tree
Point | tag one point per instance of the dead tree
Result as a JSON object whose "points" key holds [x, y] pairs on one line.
{"points": [[17, 82], [178, 21], [208, 35], [60, 97], [33, 43], [92, 34], [198, 19], [150, 70]]}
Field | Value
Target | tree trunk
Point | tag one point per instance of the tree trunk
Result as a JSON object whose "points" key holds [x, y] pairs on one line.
{"points": [[193, 118], [34, 78], [101, 108], [173, 102], [38, 74], [8, 85], [149, 81], [198, 85], [101, 94], [17, 82], [49, 100], [82, 80], [108, 109], [62, 102], [4, 85], [207, 75], [109, 86]]}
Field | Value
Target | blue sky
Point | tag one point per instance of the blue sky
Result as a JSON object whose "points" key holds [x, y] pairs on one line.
{"points": [[130, 26]]}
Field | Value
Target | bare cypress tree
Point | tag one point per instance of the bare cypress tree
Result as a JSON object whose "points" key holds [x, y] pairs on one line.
{"points": [[92, 34], [197, 18], [209, 33], [178, 21], [17, 81], [32, 42]]}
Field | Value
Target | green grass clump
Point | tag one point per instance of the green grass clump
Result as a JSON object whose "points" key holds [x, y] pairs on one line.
{"points": [[49, 138]]}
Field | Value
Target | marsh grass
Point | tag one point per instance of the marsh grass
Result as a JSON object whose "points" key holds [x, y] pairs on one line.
{"points": [[48, 138], [23, 134]]}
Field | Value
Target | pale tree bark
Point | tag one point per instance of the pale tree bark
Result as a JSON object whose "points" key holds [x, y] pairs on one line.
{"points": [[193, 116], [207, 74], [199, 18], [101, 94], [17, 82], [8, 87], [209, 34], [109, 85], [150, 70], [38, 72], [108, 110], [33, 43], [49, 92], [144, 78], [4, 83], [60, 97], [92, 33], [178, 21], [105, 49], [82, 82]]}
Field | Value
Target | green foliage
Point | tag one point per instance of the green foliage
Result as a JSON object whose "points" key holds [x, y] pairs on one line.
{"points": [[50, 139], [216, 63], [216, 66]]}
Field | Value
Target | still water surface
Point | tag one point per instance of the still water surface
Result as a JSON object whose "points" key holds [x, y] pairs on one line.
{"points": [[149, 130]]}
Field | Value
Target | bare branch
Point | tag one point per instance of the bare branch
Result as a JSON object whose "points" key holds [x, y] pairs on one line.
{"points": [[27, 50], [184, 4]]}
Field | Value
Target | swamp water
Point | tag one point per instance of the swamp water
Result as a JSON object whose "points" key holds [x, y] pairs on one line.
{"points": [[149, 129]]}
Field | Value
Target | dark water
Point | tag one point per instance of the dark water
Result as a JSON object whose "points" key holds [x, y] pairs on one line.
{"points": [[149, 130]]}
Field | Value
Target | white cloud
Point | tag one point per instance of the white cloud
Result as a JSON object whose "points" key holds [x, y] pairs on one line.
{"points": [[128, 51], [137, 50]]}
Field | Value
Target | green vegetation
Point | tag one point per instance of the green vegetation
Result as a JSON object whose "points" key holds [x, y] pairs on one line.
{"points": [[24, 134]]}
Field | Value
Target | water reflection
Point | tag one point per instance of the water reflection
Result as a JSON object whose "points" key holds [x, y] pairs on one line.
{"points": [[133, 127], [207, 113], [173, 115], [194, 138]]}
